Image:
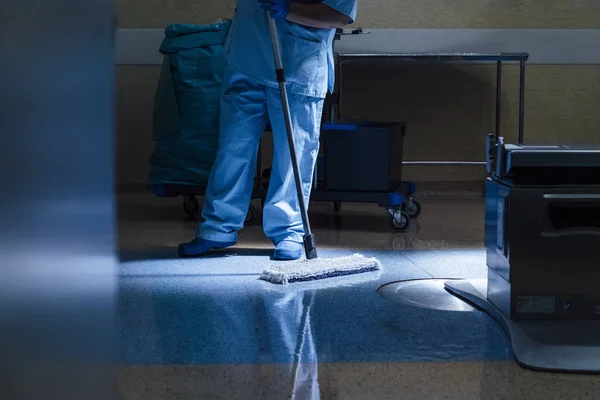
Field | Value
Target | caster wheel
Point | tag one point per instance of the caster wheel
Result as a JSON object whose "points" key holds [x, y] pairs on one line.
{"points": [[337, 206], [402, 223], [249, 215], [191, 205], [412, 208], [398, 242]]}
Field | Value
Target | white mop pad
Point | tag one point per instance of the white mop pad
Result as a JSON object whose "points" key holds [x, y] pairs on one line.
{"points": [[319, 268]]}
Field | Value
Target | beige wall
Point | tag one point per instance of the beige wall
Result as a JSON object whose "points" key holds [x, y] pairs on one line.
{"points": [[389, 13], [448, 109]]}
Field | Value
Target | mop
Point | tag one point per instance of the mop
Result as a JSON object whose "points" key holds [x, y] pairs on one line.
{"points": [[311, 268]]}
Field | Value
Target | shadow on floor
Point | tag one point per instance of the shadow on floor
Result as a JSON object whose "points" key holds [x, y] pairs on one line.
{"points": [[168, 253]]}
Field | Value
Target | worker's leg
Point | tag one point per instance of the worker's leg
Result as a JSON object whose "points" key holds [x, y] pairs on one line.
{"points": [[282, 221], [228, 194], [291, 329]]}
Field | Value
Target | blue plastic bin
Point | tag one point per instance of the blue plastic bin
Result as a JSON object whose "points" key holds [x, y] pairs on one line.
{"points": [[364, 156]]}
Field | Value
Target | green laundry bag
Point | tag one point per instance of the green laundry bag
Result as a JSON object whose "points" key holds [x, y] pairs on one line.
{"points": [[187, 104]]}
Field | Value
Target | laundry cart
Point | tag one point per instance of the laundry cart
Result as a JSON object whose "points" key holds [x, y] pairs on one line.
{"points": [[187, 112], [191, 192]]}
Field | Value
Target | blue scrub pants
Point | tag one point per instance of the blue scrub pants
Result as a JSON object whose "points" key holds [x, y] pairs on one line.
{"points": [[246, 106]]}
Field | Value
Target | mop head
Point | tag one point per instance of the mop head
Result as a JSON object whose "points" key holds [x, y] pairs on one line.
{"points": [[319, 268]]}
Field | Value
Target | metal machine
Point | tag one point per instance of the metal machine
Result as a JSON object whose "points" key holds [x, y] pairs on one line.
{"points": [[542, 230]]}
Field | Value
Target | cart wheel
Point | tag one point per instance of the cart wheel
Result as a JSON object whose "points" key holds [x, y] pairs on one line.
{"points": [[398, 242], [402, 223], [249, 215], [412, 208], [191, 205], [337, 206]]}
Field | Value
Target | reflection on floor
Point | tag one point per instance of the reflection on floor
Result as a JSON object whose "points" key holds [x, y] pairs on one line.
{"points": [[208, 328]]}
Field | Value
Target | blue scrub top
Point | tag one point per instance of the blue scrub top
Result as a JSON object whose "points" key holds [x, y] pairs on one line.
{"points": [[306, 52]]}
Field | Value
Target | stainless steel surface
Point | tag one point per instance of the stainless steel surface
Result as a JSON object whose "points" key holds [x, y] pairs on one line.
{"points": [[543, 241], [424, 293], [521, 101], [499, 58], [58, 263], [426, 56], [558, 346], [275, 43], [565, 47], [443, 162], [553, 157], [498, 97], [550, 165]]}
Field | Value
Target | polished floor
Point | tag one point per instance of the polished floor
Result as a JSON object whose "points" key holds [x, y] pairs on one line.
{"points": [[210, 329]]}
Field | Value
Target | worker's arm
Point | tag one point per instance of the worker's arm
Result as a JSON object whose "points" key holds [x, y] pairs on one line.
{"points": [[315, 15]]}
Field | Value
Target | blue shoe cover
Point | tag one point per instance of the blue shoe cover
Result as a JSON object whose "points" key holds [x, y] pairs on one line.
{"points": [[288, 250], [198, 247]]}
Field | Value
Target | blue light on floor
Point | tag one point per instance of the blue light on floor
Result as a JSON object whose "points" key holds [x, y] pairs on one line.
{"points": [[216, 311]]}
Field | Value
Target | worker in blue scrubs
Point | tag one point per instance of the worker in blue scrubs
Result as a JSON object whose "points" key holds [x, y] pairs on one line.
{"points": [[250, 99]]}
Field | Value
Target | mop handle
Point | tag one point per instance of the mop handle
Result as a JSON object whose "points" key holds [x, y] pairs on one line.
{"points": [[288, 121]]}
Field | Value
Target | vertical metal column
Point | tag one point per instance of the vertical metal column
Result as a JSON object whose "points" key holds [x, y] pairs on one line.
{"points": [[339, 88], [521, 101], [498, 97]]}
